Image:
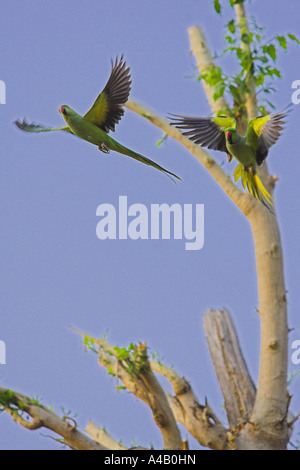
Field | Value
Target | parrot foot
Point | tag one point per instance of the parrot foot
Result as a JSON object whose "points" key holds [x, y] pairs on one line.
{"points": [[229, 157], [102, 147], [250, 169]]}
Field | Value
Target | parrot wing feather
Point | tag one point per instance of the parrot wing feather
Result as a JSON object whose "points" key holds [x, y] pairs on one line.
{"points": [[108, 108], [264, 131], [205, 131]]}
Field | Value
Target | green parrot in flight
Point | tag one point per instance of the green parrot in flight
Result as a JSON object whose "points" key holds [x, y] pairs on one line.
{"points": [[220, 133], [101, 118]]}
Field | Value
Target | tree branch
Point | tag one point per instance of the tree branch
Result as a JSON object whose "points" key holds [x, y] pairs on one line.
{"points": [[205, 62], [250, 104], [271, 399], [270, 409], [250, 97], [233, 376], [198, 419], [101, 436], [17, 404], [136, 374], [243, 200]]}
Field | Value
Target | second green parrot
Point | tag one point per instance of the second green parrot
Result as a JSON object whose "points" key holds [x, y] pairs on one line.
{"points": [[102, 117], [220, 133]]}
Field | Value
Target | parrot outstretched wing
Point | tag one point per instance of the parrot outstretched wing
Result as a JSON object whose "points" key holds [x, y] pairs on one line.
{"points": [[205, 131], [263, 132], [24, 126], [108, 108]]}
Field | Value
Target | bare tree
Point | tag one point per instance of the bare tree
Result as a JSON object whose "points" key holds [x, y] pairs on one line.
{"points": [[258, 417]]}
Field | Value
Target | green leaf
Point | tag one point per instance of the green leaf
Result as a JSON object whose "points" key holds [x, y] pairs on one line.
{"points": [[212, 76], [231, 26], [271, 72], [122, 353], [259, 79], [236, 91], [217, 6], [239, 52], [282, 41], [230, 39], [270, 104], [161, 140], [219, 91], [246, 38], [293, 38], [293, 375], [262, 110], [271, 51], [235, 2], [262, 59], [229, 49]]}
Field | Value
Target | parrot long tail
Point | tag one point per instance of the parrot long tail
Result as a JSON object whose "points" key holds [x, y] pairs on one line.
{"points": [[254, 185], [137, 156]]}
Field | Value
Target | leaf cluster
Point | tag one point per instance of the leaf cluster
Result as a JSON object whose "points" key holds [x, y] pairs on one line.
{"points": [[255, 56]]}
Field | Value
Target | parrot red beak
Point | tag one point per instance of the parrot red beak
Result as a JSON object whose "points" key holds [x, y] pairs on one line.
{"points": [[229, 136], [62, 110]]}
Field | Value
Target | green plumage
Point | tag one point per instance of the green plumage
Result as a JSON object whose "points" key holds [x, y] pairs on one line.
{"points": [[220, 133], [102, 117]]}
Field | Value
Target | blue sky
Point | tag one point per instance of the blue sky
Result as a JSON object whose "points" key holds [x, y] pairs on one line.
{"points": [[55, 272]]}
